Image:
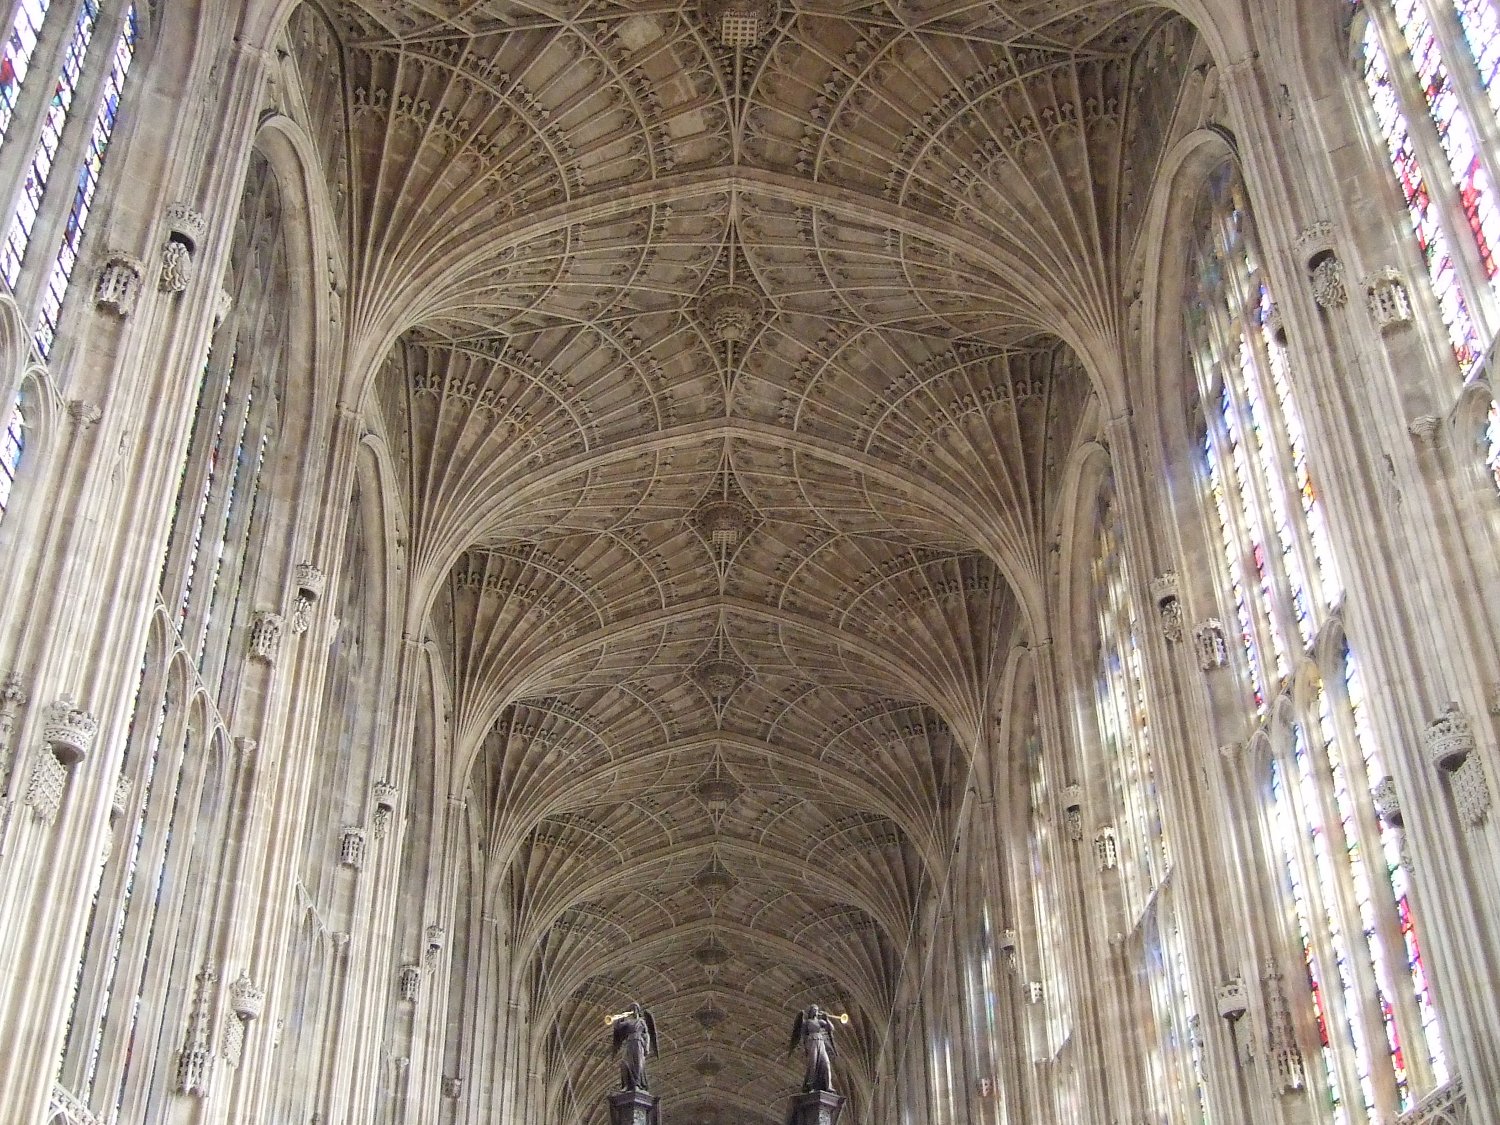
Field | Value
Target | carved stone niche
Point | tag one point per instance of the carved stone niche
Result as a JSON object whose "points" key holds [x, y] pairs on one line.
{"points": [[119, 285], [436, 937], [185, 230], [1072, 799], [452, 1087], [1034, 992], [385, 794], [69, 730], [1387, 299], [1164, 592], [1008, 949], [410, 981], [1325, 274], [1210, 645], [309, 582]]}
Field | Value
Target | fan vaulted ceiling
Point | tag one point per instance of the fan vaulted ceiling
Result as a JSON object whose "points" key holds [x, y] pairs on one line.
{"points": [[731, 386]]}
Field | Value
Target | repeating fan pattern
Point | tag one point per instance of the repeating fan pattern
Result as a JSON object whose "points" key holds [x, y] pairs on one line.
{"points": [[730, 389]]}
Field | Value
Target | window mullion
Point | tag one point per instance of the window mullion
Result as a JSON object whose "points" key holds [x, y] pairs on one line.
{"points": [[62, 182], [1436, 171], [1351, 922], [1337, 1018], [1243, 545], [1280, 619], [32, 101], [1464, 72]]}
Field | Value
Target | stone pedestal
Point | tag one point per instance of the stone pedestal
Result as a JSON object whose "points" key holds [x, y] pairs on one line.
{"points": [[634, 1107], [821, 1107]]}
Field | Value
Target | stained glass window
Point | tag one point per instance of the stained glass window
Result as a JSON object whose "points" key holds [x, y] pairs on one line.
{"points": [[88, 182], [1429, 102], [1174, 1079], [12, 444], [1347, 911], [58, 110], [1282, 577], [15, 56]]}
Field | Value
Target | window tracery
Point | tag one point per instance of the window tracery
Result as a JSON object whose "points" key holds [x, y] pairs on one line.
{"points": [[85, 76], [12, 446], [1174, 1077], [1347, 910], [1430, 69]]}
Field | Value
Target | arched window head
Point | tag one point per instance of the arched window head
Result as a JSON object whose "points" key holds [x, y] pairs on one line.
{"points": [[12, 445]]}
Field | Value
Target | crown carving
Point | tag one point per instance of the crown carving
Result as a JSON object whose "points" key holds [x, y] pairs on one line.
{"points": [[69, 730], [1450, 738], [245, 999]]}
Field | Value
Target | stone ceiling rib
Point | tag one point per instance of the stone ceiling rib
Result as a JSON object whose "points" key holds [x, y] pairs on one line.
{"points": [[732, 390]]}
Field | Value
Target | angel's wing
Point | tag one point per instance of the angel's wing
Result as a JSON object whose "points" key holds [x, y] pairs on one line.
{"points": [[650, 1030], [796, 1033]]}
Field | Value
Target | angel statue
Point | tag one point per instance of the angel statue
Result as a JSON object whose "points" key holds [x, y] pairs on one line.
{"points": [[813, 1031], [635, 1042]]}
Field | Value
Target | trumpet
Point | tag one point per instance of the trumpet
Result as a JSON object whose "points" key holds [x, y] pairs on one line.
{"points": [[842, 1017], [619, 1016]]}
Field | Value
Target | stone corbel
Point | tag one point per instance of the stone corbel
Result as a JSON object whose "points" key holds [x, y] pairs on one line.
{"points": [[1388, 300], [119, 285], [185, 230]]}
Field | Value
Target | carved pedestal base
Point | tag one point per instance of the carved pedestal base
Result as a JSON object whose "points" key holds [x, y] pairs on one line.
{"points": [[634, 1107], [822, 1107]]}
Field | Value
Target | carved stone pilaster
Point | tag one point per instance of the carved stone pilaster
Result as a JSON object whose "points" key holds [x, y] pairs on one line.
{"points": [[68, 730], [118, 287], [1387, 299], [265, 636], [1164, 592]]}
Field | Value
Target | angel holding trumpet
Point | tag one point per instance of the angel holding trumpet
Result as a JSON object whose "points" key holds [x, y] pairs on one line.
{"points": [[812, 1030], [634, 1042]]}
